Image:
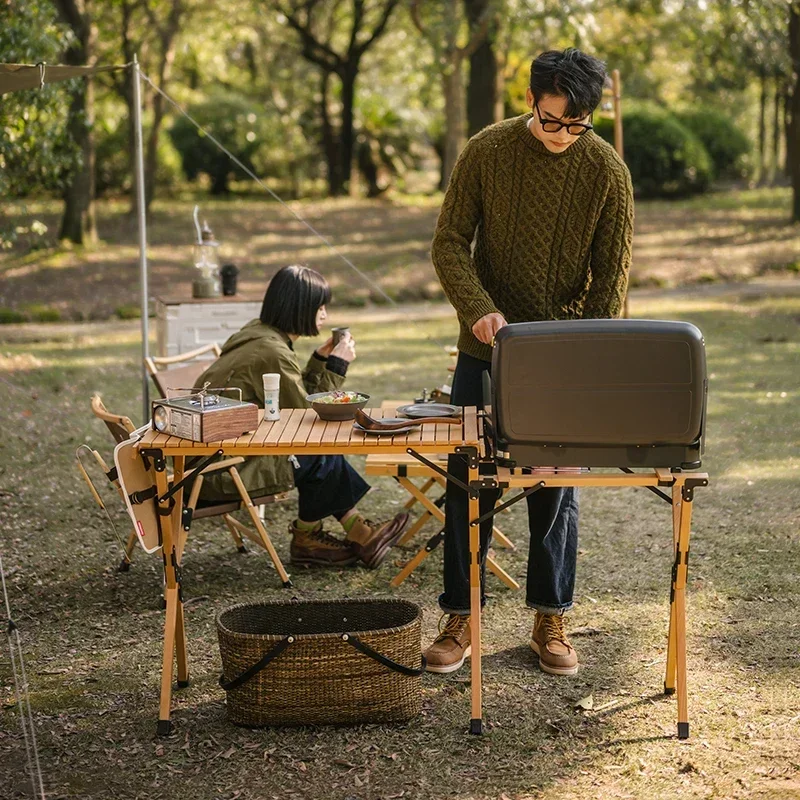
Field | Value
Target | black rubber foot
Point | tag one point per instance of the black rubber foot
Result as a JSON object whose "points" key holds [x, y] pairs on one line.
{"points": [[476, 726], [164, 727], [242, 549], [183, 684], [683, 730], [163, 603], [287, 584], [669, 689], [124, 566]]}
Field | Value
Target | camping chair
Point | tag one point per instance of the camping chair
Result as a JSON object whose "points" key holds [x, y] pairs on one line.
{"points": [[166, 376], [402, 468], [121, 427]]}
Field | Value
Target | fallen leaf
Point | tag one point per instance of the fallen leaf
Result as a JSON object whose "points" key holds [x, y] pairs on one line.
{"points": [[586, 703]]}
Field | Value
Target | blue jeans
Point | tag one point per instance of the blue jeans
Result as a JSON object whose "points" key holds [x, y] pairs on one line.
{"points": [[326, 486], [552, 521]]}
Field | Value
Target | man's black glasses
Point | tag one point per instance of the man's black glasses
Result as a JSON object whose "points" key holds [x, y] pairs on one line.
{"points": [[554, 126]]}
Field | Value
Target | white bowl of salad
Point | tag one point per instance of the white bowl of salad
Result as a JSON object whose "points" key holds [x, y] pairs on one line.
{"points": [[337, 405]]}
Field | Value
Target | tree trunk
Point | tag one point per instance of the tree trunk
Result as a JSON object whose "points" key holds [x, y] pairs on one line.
{"points": [[348, 77], [762, 130], [793, 142], [787, 128], [78, 223], [776, 130], [167, 37], [455, 120], [330, 144], [484, 91]]}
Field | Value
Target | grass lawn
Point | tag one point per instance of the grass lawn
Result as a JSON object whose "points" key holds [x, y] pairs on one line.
{"points": [[724, 236], [92, 636]]}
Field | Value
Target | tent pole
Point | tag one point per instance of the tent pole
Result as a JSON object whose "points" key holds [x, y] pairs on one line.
{"points": [[140, 202]]}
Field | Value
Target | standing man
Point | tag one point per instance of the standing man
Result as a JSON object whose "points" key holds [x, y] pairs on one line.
{"points": [[536, 224]]}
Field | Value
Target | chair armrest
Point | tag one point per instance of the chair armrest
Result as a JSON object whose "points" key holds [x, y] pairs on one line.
{"points": [[163, 361]]}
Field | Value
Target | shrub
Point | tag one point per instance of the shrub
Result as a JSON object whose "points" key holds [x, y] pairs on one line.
{"points": [[255, 135], [665, 158], [727, 145], [10, 315], [130, 311], [37, 312]]}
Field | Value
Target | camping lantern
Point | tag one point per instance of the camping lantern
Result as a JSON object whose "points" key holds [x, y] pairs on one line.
{"points": [[206, 281]]}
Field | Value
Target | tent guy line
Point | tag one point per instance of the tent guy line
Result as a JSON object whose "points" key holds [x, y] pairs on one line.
{"points": [[324, 239]]}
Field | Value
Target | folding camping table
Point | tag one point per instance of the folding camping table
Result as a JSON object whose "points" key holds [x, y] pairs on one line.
{"points": [[301, 432], [298, 432]]}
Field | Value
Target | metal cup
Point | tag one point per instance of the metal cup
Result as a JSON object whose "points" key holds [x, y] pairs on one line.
{"points": [[338, 333]]}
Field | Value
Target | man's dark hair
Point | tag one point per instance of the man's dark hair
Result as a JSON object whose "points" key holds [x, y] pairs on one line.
{"points": [[571, 74], [293, 298]]}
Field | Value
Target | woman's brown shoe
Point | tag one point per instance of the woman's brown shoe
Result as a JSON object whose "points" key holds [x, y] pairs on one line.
{"points": [[317, 548], [371, 541]]}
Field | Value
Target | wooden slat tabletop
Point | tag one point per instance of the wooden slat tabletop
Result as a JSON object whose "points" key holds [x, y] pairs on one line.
{"points": [[301, 430]]}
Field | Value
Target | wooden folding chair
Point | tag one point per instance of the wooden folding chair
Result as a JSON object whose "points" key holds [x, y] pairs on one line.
{"points": [[121, 427], [166, 375], [405, 467]]}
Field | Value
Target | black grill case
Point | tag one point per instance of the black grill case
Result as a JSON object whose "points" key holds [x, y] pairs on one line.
{"points": [[598, 393]]}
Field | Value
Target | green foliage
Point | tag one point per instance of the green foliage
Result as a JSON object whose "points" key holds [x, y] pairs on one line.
{"points": [[250, 132], [129, 311], [8, 316], [35, 151], [114, 164], [665, 158], [39, 312], [724, 141]]}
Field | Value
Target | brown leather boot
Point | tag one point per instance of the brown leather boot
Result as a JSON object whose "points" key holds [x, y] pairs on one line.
{"points": [[319, 548], [371, 541], [451, 647], [549, 641]]}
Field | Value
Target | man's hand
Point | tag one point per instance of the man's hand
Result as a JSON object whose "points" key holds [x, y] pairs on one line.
{"points": [[487, 326], [346, 348], [325, 349]]}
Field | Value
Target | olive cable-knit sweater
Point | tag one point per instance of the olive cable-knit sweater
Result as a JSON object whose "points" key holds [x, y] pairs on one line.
{"points": [[532, 234]]}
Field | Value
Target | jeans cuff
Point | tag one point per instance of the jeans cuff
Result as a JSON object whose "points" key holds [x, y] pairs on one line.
{"points": [[550, 610], [461, 611]]}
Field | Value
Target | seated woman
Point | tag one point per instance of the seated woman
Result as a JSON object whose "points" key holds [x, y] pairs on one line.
{"points": [[294, 306]]}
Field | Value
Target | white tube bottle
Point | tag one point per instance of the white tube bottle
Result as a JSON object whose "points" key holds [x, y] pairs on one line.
{"points": [[272, 391]]}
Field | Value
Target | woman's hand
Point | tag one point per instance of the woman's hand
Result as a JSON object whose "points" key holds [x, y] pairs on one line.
{"points": [[487, 326], [346, 348], [325, 350]]}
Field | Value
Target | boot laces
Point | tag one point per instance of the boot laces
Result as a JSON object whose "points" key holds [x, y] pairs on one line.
{"points": [[453, 628], [325, 538], [554, 628]]}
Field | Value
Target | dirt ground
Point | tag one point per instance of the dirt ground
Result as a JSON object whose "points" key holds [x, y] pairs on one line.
{"points": [[726, 236], [91, 636]]}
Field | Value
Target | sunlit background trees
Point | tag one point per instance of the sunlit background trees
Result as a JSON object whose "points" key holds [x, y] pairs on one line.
{"points": [[336, 97]]}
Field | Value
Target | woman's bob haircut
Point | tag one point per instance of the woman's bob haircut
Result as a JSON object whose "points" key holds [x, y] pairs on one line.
{"points": [[293, 298]]}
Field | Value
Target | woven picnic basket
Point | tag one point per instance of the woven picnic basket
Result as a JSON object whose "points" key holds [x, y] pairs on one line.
{"points": [[319, 662]]}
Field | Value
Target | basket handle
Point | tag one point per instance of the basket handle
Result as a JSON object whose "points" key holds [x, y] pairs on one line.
{"points": [[387, 662], [257, 667], [346, 637]]}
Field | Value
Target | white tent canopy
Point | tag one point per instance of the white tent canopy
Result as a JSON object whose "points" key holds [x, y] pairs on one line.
{"points": [[15, 77]]}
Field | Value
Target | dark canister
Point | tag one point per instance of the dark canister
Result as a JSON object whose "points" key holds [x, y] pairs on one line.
{"points": [[229, 274]]}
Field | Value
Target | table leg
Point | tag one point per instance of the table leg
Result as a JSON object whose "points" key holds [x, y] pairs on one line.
{"points": [[669, 678], [682, 564], [174, 631], [476, 722]]}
